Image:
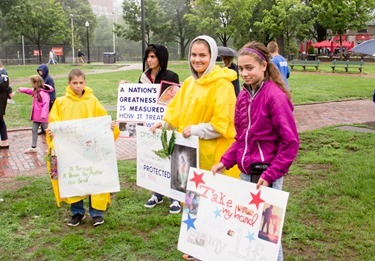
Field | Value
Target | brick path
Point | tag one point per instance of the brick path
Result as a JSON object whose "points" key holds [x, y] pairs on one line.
{"points": [[14, 162]]}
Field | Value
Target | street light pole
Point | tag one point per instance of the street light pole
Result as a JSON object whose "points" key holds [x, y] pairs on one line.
{"points": [[88, 41], [71, 21], [114, 34]]}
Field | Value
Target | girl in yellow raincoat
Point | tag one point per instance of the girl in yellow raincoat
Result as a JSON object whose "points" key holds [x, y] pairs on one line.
{"points": [[205, 104], [79, 102]]}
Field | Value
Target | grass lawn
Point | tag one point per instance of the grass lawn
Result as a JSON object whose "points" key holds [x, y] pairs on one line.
{"points": [[330, 214]]}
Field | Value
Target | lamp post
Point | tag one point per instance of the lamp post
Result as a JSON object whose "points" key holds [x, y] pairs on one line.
{"points": [[71, 21], [114, 27], [88, 41]]}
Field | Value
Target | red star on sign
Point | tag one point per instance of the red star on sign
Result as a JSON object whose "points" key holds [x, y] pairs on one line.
{"points": [[256, 199], [197, 179]]}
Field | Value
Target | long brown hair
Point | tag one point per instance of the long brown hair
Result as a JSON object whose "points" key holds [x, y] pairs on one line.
{"points": [[260, 52], [37, 83]]}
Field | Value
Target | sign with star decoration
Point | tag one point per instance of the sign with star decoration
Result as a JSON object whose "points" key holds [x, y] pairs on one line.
{"points": [[229, 219]]}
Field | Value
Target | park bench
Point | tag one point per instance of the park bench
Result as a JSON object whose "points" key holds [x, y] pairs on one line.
{"points": [[304, 64], [347, 64]]}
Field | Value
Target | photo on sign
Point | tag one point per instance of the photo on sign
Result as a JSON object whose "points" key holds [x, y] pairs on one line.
{"points": [[183, 157], [270, 228], [191, 202], [128, 128], [167, 92]]}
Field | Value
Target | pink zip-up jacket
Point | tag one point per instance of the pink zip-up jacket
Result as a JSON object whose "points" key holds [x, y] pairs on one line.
{"points": [[266, 132], [40, 109]]}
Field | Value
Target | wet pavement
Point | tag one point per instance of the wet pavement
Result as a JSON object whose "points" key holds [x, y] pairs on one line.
{"points": [[14, 162]]}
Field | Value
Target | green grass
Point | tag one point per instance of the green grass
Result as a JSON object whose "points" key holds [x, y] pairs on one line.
{"points": [[330, 214], [331, 207]]}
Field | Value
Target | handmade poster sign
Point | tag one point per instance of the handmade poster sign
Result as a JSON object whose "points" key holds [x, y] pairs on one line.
{"points": [[160, 169], [86, 156], [229, 219], [142, 105]]}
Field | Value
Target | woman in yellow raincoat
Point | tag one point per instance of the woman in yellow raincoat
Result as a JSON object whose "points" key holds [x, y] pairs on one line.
{"points": [[79, 102], [205, 104]]}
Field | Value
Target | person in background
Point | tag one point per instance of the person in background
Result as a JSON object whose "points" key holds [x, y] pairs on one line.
{"points": [[156, 62], [52, 57], [267, 141], [279, 61], [4, 94], [40, 107], [47, 79], [80, 55], [79, 102], [228, 62]]}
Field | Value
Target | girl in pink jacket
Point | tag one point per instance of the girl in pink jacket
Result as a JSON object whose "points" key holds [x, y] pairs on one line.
{"points": [[40, 107], [267, 141]]}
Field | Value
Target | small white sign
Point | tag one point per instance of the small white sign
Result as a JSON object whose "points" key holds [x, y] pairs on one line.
{"points": [[142, 105], [86, 156], [163, 174]]}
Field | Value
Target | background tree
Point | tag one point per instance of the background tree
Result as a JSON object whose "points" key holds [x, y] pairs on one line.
{"points": [[132, 19], [284, 21], [5, 35], [341, 15], [104, 32], [82, 12], [221, 19], [39, 21], [179, 29]]}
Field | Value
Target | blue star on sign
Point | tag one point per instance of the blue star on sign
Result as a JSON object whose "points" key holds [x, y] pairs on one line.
{"points": [[190, 222], [250, 236], [217, 212]]}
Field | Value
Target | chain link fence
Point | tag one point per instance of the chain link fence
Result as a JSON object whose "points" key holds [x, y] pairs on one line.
{"points": [[28, 54]]}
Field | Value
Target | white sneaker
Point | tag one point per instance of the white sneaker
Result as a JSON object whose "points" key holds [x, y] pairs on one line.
{"points": [[153, 201], [175, 207], [31, 150]]}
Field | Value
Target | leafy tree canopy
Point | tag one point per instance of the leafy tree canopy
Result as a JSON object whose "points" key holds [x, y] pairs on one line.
{"points": [[40, 21]]}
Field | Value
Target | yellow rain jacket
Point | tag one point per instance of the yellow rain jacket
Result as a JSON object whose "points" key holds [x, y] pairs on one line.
{"points": [[71, 107], [209, 99]]}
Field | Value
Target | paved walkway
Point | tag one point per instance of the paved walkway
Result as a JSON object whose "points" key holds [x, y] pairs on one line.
{"points": [[14, 162]]}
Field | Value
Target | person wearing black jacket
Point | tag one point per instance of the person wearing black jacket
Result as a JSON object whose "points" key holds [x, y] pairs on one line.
{"points": [[156, 61], [228, 62], [43, 71]]}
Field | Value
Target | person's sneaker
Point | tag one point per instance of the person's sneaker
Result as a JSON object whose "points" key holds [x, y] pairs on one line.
{"points": [[97, 221], [41, 132], [175, 208], [153, 201], [31, 150], [76, 220]]}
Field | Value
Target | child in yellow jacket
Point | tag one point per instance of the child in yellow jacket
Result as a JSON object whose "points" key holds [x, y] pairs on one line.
{"points": [[79, 102]]}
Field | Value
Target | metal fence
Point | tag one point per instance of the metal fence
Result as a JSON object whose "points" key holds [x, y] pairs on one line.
{"points": [[18, 54]]}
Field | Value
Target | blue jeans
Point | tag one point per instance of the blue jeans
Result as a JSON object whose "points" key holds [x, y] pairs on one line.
{"points": [[78, 208], [277, 184]]}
